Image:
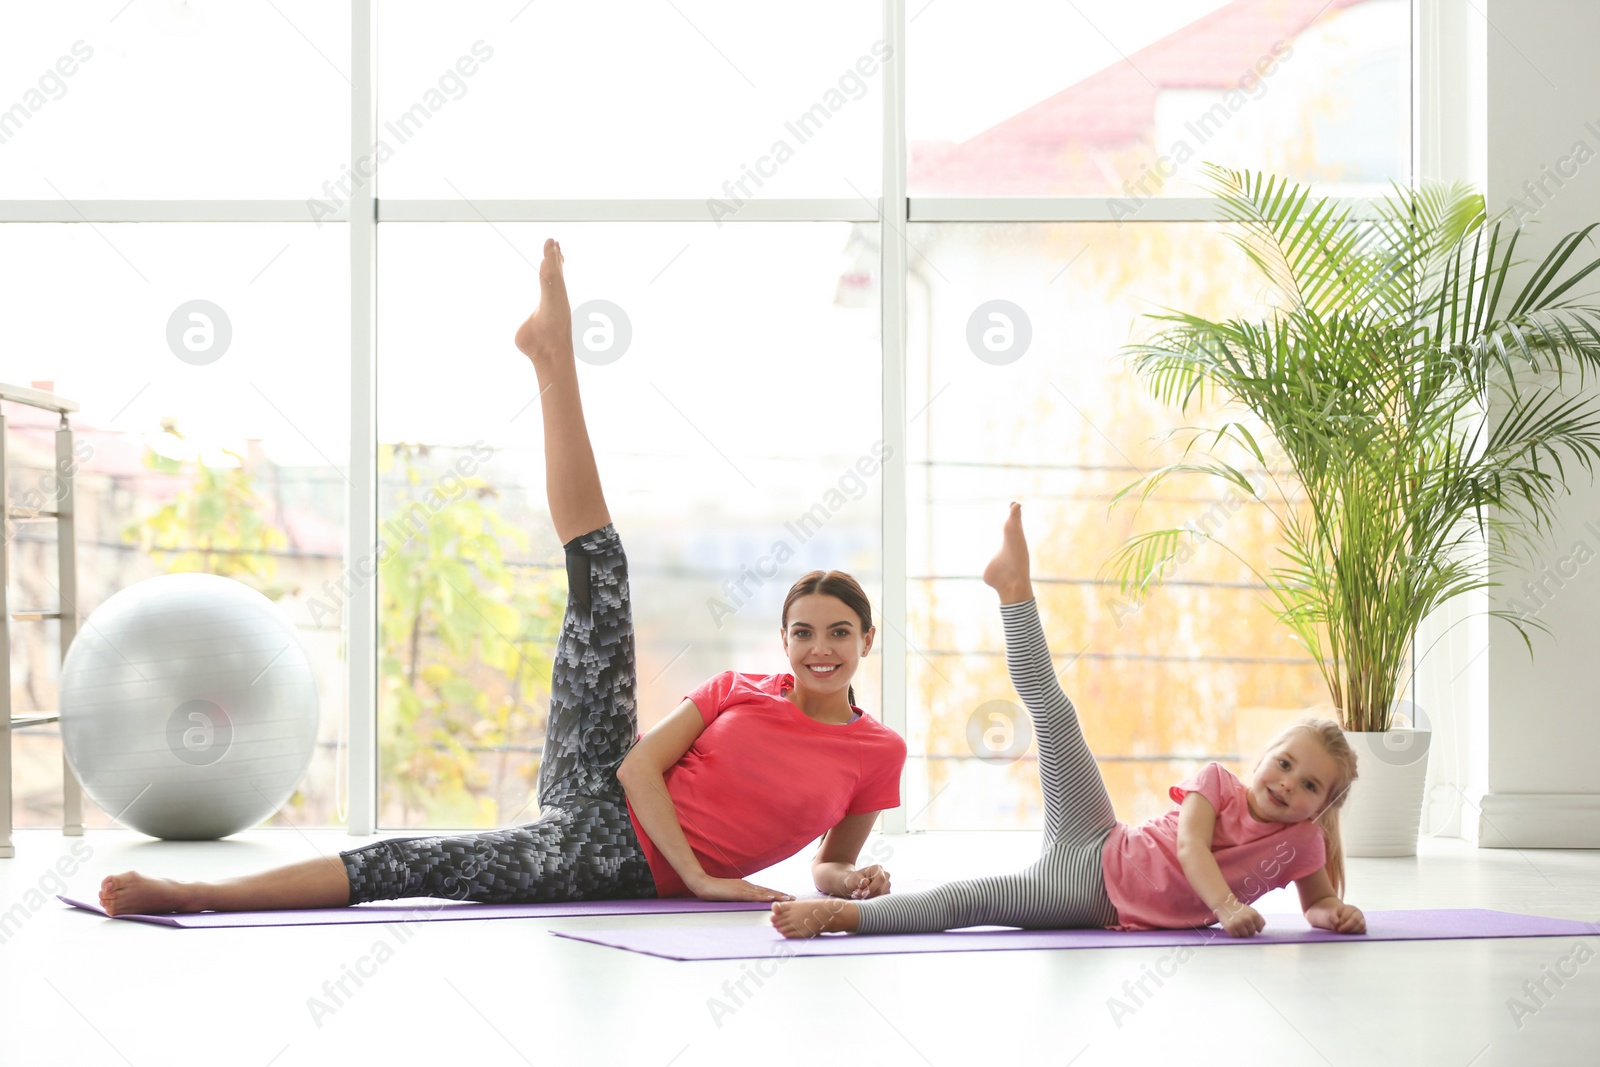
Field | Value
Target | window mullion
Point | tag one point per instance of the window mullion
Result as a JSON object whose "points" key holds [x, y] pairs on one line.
{"points": [[892, 637], [361, 508]]}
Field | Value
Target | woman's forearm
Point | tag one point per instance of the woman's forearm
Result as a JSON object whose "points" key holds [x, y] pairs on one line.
{"points": [[831, 878], [652, 806], [1205, 877]]}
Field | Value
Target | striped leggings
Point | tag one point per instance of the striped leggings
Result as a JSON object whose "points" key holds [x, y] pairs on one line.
{"points": [[1066, 887]]}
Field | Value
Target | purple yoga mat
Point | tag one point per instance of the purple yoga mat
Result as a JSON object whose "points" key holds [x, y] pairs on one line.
{"points": [[758, 939], [429, 909]]}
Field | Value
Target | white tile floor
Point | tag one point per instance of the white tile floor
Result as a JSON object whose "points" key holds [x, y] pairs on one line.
{"points": [[80, 990]]}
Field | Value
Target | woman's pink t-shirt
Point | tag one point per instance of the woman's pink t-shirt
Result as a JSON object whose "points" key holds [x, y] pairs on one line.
{"points": [[764, 779], [1146, 882]]}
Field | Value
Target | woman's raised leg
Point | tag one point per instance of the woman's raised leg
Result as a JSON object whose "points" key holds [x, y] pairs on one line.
{"points": [[572, 481], [579, 850], [582, 846], [593, 720]]}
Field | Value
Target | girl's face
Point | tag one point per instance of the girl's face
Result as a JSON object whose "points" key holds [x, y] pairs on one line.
{"points": [[1293, 781], [825, 643]]}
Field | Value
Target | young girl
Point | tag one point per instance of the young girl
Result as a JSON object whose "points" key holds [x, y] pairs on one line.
{"points": [[746, 771], [1203, 862]]}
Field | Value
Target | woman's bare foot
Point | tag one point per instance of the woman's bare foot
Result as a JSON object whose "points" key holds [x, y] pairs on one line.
{"points": [[1007, 573], [546, 338], [135, 894], [808, 918]]}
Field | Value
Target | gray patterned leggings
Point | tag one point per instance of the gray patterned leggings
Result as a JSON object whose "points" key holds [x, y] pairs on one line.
{"points": [[1066, 888], [582, 846]]}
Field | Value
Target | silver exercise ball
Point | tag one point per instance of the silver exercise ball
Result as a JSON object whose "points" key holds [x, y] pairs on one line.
{"points": [[188, 707]]}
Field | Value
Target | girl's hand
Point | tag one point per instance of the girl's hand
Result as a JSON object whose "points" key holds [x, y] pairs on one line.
{"points": [[709, 888], [864, 882], [1341, 918], [1240, 920]]}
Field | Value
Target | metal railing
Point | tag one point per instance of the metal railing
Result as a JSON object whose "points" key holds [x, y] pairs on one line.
{"points": [[66, 586]]}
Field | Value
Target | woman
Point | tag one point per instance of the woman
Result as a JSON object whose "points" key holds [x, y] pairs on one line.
{"points": [[746, 771]]}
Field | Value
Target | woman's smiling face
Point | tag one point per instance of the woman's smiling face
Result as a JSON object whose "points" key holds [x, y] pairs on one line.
{"points": [[825, 643]]}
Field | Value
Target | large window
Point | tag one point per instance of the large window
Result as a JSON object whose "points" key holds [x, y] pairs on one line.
{"points": [[717, 175]]}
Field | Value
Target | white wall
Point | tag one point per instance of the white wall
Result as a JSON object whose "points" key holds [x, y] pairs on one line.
{"points": [[1542, 722]]}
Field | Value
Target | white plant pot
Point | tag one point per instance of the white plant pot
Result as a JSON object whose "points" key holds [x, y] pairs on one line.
{"points": [[1383, 812]]}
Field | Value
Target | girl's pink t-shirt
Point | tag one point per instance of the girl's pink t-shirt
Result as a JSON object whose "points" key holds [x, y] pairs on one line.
{"points": [[763, 779], [1146, 882]]}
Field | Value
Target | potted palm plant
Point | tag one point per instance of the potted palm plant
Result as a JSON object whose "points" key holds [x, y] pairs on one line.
{"points": [[1407, 392]]}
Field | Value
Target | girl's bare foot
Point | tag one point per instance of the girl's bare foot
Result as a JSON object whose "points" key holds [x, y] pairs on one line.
{"points": [[808, 918], [135, 894], [1007, 573], [546, 338]]}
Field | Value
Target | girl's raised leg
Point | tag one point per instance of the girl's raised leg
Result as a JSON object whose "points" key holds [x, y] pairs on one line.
{"points": [[1066, 887], [1077, 807]]}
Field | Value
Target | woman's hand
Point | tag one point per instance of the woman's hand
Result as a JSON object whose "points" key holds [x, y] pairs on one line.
{"points": [[864, 882], [709, 888], [1240, 920]]}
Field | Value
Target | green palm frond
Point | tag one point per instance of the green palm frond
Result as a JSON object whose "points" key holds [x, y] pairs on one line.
{"points": [[1412, 384]]}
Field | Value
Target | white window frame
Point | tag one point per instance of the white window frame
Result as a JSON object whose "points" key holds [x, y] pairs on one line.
{"points": [[1433, 72]]}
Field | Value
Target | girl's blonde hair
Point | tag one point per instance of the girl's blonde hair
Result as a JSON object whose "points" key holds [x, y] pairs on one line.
{"points": [[1331, 736]]}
